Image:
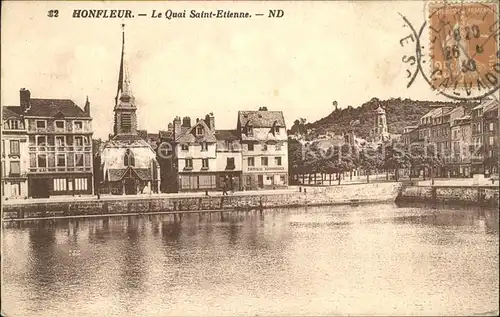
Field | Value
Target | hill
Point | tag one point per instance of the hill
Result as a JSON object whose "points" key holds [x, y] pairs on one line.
{"points": [[400, 113]]}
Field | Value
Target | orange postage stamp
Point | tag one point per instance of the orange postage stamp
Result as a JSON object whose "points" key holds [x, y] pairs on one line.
{"points": [[463, 49]]}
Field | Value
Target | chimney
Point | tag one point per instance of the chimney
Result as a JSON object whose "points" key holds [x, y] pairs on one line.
{"points": [[177, 126], [210, 121], [86, 108], [263, 108], [25, 97], [170, 128], [186, 122]]}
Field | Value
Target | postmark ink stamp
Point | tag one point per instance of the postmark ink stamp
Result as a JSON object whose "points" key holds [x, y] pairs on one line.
{"points": [[462, 58]]}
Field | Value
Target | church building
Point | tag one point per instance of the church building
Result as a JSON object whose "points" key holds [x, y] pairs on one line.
{"points": [[128, 163]]}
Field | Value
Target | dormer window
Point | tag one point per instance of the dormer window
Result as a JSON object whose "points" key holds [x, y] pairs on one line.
{"points": [[41, 124], [14, 124], [277, 130], [199, 130], [78, 125], [249, 130], [184, 147]]}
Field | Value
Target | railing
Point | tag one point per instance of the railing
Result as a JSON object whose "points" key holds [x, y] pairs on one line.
{"points": [[59, 169], [53, 148]]}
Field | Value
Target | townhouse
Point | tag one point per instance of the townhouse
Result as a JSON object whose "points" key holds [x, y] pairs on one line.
{"points": [[461, 138], [264, 143], [14, 154], [59, 154]]}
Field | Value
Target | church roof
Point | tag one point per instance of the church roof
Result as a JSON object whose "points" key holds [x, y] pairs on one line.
{"points": [[117, 174], [127, 141]]}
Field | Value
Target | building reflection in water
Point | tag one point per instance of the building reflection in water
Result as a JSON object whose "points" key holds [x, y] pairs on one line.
{"points": [[132, 268]]}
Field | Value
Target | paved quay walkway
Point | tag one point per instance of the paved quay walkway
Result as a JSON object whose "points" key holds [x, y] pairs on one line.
{"points": [[63, 199]]}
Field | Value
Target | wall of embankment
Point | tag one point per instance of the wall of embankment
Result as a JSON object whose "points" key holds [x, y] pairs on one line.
{"points": [[308, 196], [464, 195]]}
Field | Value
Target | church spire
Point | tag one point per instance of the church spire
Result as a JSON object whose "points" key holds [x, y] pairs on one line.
{"points": [[125, 123], [86, 108], [123, 92]]}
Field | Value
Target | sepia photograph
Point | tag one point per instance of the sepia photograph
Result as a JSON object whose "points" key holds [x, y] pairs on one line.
{"points": [[250, 158]]}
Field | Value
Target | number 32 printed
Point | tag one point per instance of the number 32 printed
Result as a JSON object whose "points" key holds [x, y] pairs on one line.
{"points": [[53, 13]]}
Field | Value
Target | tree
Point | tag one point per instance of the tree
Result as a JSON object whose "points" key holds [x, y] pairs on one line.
{"points": [[395, 157], [369, 161]]}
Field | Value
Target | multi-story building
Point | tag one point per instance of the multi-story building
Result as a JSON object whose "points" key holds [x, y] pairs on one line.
{"points": [[264, 148], [491, 141], [441, 136], [228, 159], [460, 149], [409, 136], [128, 163], [195, 153], [477, 138], [59, 146], [14, 154]]}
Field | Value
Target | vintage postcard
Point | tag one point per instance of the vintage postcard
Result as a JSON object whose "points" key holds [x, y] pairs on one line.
{"points": [[250, 158]]}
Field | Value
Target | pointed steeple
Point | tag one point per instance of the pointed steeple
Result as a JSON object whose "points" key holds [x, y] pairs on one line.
{"points": [[123, 92], [125, 123], [86, 108]]}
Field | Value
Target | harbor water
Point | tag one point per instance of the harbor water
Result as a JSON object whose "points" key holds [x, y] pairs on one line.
{"points": [[377, 259]]}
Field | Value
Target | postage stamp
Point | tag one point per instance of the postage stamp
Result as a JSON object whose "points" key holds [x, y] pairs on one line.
{"points": [[463, 47]]}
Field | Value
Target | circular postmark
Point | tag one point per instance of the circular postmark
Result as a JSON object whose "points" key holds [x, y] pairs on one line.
{"points": [[461, 59]]}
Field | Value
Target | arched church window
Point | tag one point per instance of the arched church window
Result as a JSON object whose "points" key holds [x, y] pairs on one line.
{"points": [[128, 158]]}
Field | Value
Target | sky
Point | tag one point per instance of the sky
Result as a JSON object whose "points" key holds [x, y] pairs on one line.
{"points": [[317, 53]]}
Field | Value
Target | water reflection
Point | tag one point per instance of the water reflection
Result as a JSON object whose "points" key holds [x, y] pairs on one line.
{"points": [[310, 261]]}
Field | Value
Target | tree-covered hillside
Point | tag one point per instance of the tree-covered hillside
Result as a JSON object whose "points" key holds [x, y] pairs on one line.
{"points": [[400, 113]]}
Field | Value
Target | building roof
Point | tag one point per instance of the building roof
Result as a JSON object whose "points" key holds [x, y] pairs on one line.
{"points": [[117, 174], [189, 135], [380, 110], [261, 119], [166, 135], [10, 112], [229, 135], [53, 107], [433, 113]]}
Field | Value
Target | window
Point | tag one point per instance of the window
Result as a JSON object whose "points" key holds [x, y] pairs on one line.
{"points": [[199, 130], [59, 125], [204, 146], [264, 147], [263, 161], [184, 147], [42, 160], [126, 122], [492, 126], [41, 124], [15, 167], [41, 140], [59, 184], [78, 141], [277, 161], [14, 147], [491, 140], [277, 130], [188, 163], [60, 140], [248, 180], [230, 163], [204, 163], [14, 124], [128, 158], [61, 160], [78, 125], [81, 184], [249, 130], [250, 146], [251, 161], [278, 147], [78, 159], [228, 145], [282, 179]]}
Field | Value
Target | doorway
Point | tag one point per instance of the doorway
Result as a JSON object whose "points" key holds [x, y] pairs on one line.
{"points": [[260, 181], [130, 187], [40, 188]]}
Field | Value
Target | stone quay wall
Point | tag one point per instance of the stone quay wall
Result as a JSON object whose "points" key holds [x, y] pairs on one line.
{"points": [[307, 196], [469, 195]]}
